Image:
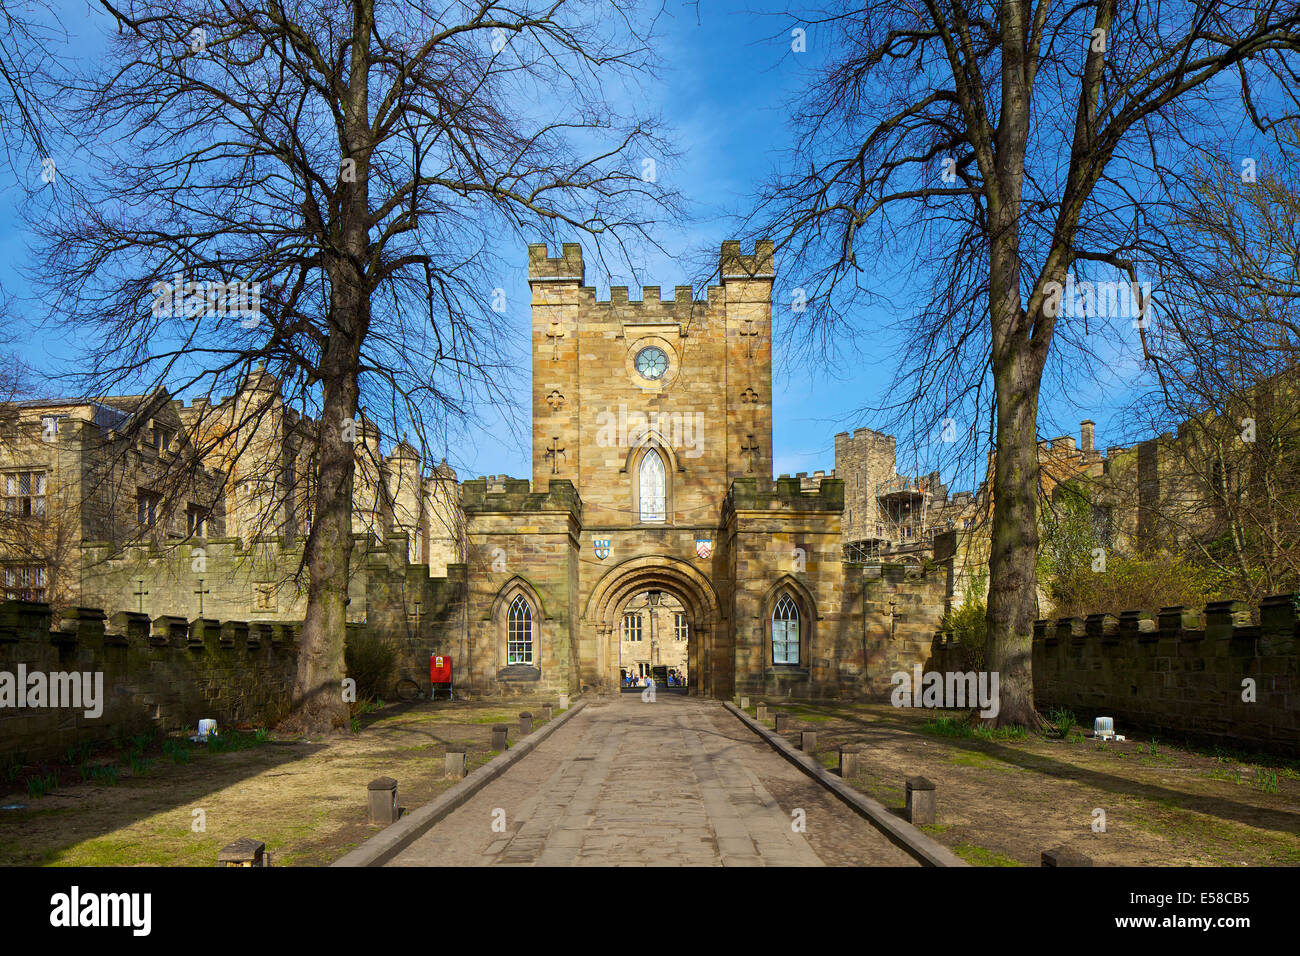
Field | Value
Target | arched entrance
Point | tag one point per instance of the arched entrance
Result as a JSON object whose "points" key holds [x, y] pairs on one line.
{"points": [[708, 660], [654, 642]]}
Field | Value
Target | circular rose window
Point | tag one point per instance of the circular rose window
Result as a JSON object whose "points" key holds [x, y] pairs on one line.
{"points": [[652, 362]]}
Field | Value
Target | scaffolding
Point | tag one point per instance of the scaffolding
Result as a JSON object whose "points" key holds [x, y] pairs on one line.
{"points": [[902, 506]]}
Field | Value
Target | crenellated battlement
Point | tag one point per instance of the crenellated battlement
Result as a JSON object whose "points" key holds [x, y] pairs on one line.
{"points": [[1218, 620], [1203, 673], [516, 494], [732, 264], [163, 672], [567, 267], [784, 494]]}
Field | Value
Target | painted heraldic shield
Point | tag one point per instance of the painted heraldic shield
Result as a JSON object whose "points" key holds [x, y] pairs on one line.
{"points": [[601, 546], [703, 547]]}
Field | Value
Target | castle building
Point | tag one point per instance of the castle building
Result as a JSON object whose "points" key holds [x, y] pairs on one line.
{"points": [[650, 537], [652, 474], [103, 495]]}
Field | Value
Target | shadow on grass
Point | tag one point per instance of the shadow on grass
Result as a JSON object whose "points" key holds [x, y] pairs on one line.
{"points": [[93, 810], [892, 726]]}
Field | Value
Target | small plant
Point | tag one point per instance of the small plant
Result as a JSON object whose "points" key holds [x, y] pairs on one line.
{"points": [[1266, 780], [77, 753], [946, 727], [106, 773], [1062, 721], [139, 765], [1001, 733], [356, 725], [261, 735], [176, 751], [41, 785], [1155, 750], [14, 768]]}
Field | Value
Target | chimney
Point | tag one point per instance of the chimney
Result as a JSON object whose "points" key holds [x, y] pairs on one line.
{"points": [[1087, 434]]}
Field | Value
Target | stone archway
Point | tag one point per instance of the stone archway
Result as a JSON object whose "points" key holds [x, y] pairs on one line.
{"points": [[709, 645]]}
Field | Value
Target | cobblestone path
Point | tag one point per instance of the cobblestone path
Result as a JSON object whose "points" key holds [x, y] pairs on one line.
{"points": [[676, 782]]}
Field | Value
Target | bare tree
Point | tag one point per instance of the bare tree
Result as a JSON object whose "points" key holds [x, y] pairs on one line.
{"points": [[1225, 361], [361, 162], [993, 148]]}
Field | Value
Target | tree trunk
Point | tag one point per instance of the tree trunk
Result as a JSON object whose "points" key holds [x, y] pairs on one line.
{"points": [[321, 664], [318, 690], [1013, 591]]}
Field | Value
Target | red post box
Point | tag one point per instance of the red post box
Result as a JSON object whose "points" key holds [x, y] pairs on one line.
{"points": [[439, 673]]}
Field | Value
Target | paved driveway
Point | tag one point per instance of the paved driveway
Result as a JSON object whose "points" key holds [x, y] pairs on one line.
{"points": [[676, 782]]}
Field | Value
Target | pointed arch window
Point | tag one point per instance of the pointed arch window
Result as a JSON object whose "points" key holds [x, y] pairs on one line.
{"points": [[785, 631], [519, 632], [652, 480]]}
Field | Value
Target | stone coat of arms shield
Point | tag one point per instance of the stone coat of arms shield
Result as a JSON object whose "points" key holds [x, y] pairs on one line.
{"points": [[703, 547], [601, 547]]}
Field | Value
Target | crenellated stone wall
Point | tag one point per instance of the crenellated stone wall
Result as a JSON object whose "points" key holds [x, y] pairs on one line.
{"points": [[163, 672], [1179, 671]]}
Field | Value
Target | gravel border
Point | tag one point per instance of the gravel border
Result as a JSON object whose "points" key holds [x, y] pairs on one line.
{"points": [[395, 838], [924, 848]]}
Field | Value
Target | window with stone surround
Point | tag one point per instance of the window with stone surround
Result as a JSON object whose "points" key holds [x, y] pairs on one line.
{"points": [[631, 627], [785, 631], [146, 508], [653, 485], [519, 632], [681, 630], [196, 521], [25, 493], [24, 582]]}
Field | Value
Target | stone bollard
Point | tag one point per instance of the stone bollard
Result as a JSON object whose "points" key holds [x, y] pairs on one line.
{"points": [[760, 712], [246, 852], [744, 703], [383, 800], [454, 768], [782, 723], [500, 736], [849, 760], [1061, 856], [920, 800], [808, 741], [548, 711], [525, 724], [564, 702]]}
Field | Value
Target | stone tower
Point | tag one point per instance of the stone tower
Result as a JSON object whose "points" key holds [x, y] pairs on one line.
{"points": [[689, 379]]}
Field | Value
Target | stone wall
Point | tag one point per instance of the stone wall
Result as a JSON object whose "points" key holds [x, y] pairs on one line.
{"points": [[166, 672], [902, 609], [1178, 672], [396, 599], [522, 542]]}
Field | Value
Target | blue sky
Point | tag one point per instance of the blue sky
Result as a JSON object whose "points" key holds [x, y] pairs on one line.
{"points": [[725, 79]]}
